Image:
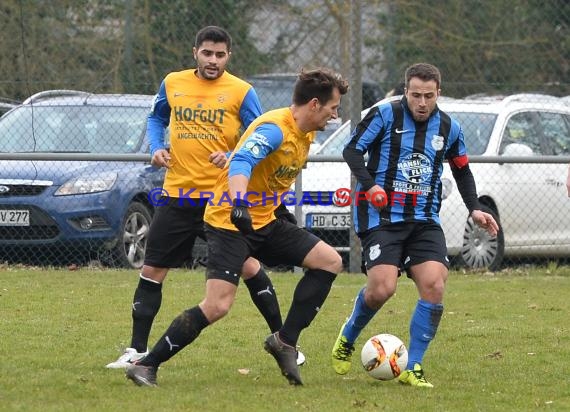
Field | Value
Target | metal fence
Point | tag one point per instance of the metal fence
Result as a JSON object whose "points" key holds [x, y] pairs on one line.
{"points": [[80, 209], [527, 195]]}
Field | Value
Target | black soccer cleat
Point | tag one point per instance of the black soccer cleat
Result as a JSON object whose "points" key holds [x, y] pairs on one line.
{"points": [[142, 375], [286, 357]]}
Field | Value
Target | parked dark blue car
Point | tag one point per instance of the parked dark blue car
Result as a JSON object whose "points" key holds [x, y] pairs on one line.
{"points": [[93, 209]]}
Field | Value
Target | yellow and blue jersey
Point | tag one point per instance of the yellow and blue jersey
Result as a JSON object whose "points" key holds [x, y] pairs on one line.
{"points": [[271, 153], [204, 116]]}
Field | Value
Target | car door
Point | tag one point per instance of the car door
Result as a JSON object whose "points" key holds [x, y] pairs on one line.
{"points": [[533, 200], [554, 129]]}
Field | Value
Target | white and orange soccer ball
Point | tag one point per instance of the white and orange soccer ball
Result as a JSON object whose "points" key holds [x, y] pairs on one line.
{"points": [[384, 356]]}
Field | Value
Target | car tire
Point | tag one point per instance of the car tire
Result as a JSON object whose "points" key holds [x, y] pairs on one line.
{"points": [[130, 247], [479, 250]]}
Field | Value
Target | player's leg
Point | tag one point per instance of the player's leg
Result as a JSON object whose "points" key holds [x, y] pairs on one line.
{"points": [[264, 297], [381, 254], [292, 245], [427, 266], [262, 293], [185, 328], [226, 253], [171, 236]]}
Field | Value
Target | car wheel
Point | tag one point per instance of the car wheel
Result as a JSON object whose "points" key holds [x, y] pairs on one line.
{"points": [[130, 248], [479, 250]]}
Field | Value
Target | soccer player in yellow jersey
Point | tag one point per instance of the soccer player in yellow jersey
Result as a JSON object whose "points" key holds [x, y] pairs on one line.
{"points": [[240, 223], [205, 108]]}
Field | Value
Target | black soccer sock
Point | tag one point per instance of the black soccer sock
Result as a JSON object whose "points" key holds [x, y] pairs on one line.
{"points": [[182, 331], [264, 297], [146, 304], [310, 294]]}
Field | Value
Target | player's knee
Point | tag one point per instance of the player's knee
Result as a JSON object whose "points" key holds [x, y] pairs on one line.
{"points": [[432, 292], [336, 263], [331, 260], [375, 297], [250, 268], [216, 310], [324, 257], [155, 274]]}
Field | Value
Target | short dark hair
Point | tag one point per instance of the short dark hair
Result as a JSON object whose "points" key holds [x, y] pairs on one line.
{"points": [[423, 71], [215, 34], [318, 83]]}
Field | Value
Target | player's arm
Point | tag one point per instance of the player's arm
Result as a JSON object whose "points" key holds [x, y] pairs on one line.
{"points": [[250, 108], [218, 159], [156, 124], [365, 133], [459, 163], [264, 140]]}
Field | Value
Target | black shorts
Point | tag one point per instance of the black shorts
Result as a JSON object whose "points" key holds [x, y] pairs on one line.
{"points": [[278, 243], [404, 245], [173, 232]]}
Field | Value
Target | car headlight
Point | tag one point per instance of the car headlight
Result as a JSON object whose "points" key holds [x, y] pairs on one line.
{"points": [[87, 184], [446, 187]]}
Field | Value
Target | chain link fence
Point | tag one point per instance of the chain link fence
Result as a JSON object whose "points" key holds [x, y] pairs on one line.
{"points": [[65, 200]]}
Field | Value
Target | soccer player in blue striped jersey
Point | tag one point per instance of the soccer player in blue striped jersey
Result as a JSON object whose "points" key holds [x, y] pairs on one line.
{"points": [[397, 220]]}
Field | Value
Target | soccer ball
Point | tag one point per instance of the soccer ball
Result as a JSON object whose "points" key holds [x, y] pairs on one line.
{"points": [[384, 356]]}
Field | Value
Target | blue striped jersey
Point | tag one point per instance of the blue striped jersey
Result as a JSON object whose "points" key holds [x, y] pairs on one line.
{"points": [[405, 158]]}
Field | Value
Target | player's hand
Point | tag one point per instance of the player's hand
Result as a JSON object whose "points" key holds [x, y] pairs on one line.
{"points": [[283, 213], [378, 197], [240, 216], [218, 159], [161, 158], [486, 221]]}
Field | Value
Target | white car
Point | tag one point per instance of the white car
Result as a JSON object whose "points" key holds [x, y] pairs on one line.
{"points": [[528, 199]]}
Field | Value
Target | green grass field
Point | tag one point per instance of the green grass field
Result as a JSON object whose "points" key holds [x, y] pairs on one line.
{"points": [[503, 345]]}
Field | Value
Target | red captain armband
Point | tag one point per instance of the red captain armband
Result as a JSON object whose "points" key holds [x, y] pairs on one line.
{"points": [[460, 161]]}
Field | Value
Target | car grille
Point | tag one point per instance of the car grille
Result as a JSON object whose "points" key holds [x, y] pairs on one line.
{"points": [[42, 226], [21, 190]]}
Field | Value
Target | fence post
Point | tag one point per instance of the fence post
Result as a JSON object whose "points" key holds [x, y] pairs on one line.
{"points": [[355, 108]]}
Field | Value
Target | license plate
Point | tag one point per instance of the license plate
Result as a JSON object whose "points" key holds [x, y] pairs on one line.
{"points": [[13, 217], [328, 221]]}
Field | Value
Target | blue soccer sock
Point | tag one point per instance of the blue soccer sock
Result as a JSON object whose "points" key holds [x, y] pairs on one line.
{"points": [[423, 328], [359, 318]]}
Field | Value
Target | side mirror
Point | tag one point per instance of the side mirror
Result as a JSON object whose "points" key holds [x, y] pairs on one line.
{"points": [[517, 149]]}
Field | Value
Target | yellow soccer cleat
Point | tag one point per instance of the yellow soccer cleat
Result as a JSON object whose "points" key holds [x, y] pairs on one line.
{"points": [[342, 354], [414, 377]]}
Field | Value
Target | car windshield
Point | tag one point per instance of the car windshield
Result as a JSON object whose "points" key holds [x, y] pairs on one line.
{"points": [[85, 129], [477, 129]]}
